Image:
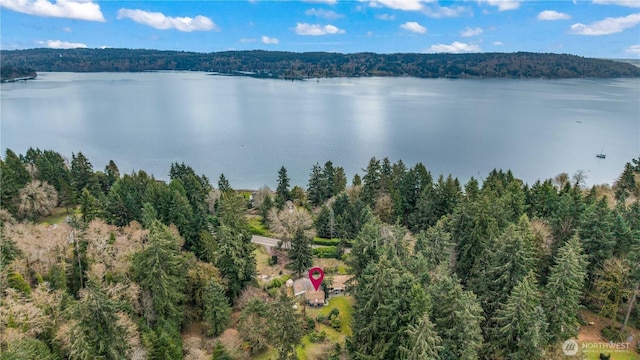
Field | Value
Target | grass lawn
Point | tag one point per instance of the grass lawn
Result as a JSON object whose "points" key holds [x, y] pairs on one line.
{"points": [[262, 260], [57, 216], [344, 304], [257, 227]]}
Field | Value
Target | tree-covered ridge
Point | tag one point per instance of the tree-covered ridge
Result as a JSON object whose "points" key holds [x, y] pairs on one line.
{"points": [[320, 64], [9, 72], [492, 269]]}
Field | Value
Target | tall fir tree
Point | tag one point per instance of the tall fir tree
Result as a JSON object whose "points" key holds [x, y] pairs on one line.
{"points": [[564, 290], [457, 316], [282, 191], [521, 322], [160, 271], [300, 255], [217, 311], [423, 343], [285, 327]]}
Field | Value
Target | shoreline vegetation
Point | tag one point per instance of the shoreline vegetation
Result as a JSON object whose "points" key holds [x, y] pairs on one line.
{"points": [[316, 65], [435, 269], [12, 74]]}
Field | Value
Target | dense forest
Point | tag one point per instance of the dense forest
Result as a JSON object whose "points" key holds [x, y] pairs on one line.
{"points": [[288, 65], [99, 264], [8, 73]]}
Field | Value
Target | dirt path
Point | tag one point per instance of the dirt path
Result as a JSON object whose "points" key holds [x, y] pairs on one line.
{"points": [[595, 323]]}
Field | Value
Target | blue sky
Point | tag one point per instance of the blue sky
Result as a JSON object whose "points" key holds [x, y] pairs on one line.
{"points": [[594, 28]]}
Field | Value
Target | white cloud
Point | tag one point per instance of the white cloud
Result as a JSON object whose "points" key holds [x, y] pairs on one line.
{"points": [[160, 21], [503, 5], [386, 17], [468, 32], [455, 47], [627, 3], [67, 29], [406, 5], [606, 26], [634, 49], [414, 27], [57, 44], [498, 43], [316, 30], [438, 11], [269, 40], [553, 15], [322, 13], [79, 10], [247, 40]]}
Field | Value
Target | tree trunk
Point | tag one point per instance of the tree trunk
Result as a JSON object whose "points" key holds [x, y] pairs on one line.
{"points": [[631, 303]]}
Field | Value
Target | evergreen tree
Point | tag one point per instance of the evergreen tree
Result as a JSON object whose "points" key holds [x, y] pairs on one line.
{"points": [[371, 183], [388, 300], [315, 187], [217, 311], [149, 215], [366, 248], [253, 325], [285, 327], [224, 185], [564, 290], [160, 271], [282, 191], [434, 245], [423, 343], [512, 258], [300, 254], [457, 316], [521, 324], [234, 252], [596, 232], [89, 206], [81, 173], [356, 181], [97, 334], [113, 175]]}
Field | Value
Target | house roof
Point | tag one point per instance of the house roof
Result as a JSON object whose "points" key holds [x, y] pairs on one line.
{"points": [[315, 297], [301, 286], [339, 281]]}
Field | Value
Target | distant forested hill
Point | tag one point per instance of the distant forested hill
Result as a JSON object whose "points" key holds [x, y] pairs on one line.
{"points": [[319, 64]]}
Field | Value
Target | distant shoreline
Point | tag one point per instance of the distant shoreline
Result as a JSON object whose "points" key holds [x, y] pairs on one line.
{"points": [[318, 65]]}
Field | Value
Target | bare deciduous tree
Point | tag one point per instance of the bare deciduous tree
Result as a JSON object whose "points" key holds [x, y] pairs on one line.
{"points": [[37, 198], [285, 223]]}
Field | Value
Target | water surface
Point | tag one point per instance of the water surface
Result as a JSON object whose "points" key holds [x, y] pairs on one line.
{"points": [[247, 128]]}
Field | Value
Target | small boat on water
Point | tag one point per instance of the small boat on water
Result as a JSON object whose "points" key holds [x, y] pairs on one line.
{"points": [[601, 156]]}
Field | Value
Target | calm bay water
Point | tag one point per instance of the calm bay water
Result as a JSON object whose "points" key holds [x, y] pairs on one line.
{"points": [[247, 128]]}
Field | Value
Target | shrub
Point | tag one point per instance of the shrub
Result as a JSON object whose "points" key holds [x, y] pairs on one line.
{"points": [[16, 281], [273, 260], [334, 313], [275, 283], [318, 337], [326, 252], [311, 324]]}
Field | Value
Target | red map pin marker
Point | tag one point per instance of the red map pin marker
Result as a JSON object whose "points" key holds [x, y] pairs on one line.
{"points": [[316, 281]]}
